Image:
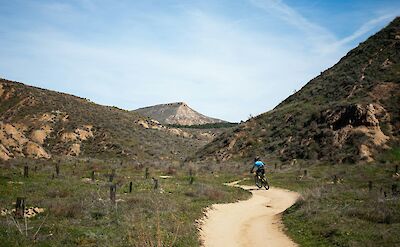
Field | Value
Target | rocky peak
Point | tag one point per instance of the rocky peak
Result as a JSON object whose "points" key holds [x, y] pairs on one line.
{"points": [[176, 113]]}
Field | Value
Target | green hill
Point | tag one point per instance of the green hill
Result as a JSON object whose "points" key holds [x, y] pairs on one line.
{"points": [[349, 113]]}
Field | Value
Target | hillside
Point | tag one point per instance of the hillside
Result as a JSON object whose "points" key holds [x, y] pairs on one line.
{"points": [[39, 123], [176, 113], [349, 113]]}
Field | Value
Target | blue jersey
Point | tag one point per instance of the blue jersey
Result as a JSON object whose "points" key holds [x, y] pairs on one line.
{"points": [[258, 164]]}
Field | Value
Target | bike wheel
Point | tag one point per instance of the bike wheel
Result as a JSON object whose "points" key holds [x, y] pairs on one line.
{"points": [[258, 181], [265, 183]]}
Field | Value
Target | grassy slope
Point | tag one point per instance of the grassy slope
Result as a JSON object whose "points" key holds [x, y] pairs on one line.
{"points": [[116, 131], [294, 130], [345, 213], [80, 214]]}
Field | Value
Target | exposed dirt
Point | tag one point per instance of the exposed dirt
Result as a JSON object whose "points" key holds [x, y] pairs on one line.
{"points": [[176, 113], [255, 222]]}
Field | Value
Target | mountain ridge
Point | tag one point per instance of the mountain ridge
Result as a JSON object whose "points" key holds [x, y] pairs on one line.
{"points": [[349, 113], [177, 113]]}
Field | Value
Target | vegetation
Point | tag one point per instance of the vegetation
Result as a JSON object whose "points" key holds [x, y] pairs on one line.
{"points": [[310, 135], [117, 133], [78, 210], [342, 205], [205, 126], [329, 117]]}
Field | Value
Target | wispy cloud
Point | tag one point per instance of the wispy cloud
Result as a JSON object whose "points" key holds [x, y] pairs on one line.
{"points": [[134, 55], [318, 35], [287, 13], [365, 28], [324, 41]]}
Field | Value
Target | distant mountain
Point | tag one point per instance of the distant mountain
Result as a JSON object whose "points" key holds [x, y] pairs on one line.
{"points": [[39, 123], [349, 113], [176, 113]]}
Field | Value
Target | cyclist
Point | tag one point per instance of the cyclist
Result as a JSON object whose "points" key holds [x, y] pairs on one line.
{"points": [[259, 165]]}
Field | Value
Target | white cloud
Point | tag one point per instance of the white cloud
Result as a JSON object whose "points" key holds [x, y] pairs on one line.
{"points": [[313, 32], [215, 63], [365, 28]]}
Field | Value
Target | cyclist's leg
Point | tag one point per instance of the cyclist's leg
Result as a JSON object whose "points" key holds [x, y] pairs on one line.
{"points": [[258, 178], [261, 171]]}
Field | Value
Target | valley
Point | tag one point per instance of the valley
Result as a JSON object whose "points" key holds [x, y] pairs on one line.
{"points": [[76, 173]]}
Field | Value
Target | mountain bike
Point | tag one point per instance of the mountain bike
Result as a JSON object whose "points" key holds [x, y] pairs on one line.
{"points": [[261, 181]]}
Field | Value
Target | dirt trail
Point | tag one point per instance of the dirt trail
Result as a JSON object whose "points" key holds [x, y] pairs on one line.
{"points": [[255, 222]]}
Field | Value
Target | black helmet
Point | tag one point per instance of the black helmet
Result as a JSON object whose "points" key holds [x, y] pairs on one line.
{"points": [[257, 158]]}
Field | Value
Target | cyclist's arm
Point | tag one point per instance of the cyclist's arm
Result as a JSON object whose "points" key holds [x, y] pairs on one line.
{"points": [[252, 168]]}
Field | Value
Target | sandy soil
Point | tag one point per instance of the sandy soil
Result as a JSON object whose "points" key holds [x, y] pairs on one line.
{"points": [[255, 222]]}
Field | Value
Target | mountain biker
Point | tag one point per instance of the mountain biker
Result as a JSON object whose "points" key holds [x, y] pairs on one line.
{"points": [[259, 165]]}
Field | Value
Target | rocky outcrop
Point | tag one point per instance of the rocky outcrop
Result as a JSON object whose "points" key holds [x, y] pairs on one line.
{"points": [[176, 113], [353, 115], [14, 143], [361, 122], [25, 139]]}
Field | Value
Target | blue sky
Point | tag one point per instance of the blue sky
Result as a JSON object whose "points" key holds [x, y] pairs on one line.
{"points": [[225, 58]]}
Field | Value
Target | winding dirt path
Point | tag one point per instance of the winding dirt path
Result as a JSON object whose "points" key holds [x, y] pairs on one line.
{"points": [[255, 222]]}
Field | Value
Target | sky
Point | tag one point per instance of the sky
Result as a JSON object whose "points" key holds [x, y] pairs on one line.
{"points": [[225, 58]]}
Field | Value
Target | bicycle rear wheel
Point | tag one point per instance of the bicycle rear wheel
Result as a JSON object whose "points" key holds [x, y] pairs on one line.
{"points": [[258, 181], [264, 182]]}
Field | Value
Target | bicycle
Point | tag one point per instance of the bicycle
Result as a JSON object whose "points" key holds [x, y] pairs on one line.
{"points": [[261, 181]]}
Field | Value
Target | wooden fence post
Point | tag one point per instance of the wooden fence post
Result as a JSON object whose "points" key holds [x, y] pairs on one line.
{"points": [[113, 190], [370, 185], [335, 179], [396, 169], [58, 169], [305, 173], [20, 207], [146, 173], [191, 176], [155, 181], [92, 176], [111, 176], [394, 189], [130, 187], [26, 171]]}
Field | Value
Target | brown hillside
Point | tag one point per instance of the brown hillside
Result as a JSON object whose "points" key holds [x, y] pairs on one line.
{"points": [[349, 113], [39, 123]]}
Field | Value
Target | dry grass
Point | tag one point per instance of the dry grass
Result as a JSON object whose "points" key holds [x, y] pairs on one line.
{"points": [[80, 212]]}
